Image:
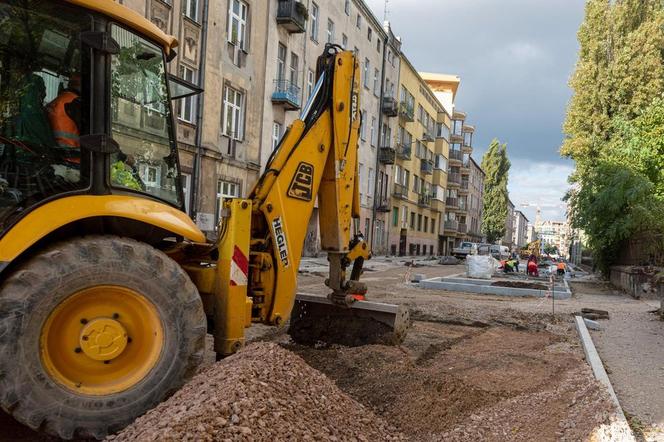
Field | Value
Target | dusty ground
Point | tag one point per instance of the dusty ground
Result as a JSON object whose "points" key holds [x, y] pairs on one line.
{"points": [[630, 345], [474, 367]]}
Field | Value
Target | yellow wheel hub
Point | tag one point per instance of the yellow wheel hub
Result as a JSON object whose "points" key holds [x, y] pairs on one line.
{"points": [[102, 340]]}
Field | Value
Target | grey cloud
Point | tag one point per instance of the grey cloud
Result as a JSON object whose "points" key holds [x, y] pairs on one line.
{"points": [[514, 58]]}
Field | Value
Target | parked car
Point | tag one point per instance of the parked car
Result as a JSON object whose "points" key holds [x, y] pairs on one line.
{"points": [[465, 248]]}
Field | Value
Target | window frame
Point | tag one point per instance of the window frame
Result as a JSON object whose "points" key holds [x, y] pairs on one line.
{"points": [[243, 23], [235, 107], [314, 15]]}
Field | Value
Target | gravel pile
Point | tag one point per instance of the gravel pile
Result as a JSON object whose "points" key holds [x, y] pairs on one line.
{"points": [[262, 393]]}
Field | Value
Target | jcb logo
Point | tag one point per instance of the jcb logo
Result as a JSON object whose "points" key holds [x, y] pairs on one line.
{"points": [[301, 186]]}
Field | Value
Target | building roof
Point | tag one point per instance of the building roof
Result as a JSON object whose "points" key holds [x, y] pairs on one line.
{"points": [[130, 18], [442, 82], [522, 214], [476, 165]]}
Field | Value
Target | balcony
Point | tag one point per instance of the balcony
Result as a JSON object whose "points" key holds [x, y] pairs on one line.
{"points": [[437, 205], [454, 179], [458, 115], [439, 177], [456, 139], [452, 203], [451, 226], [383, 204], [390, 107], [424, 200], [462, 228], [456, 157], [428, 136], [426, 167], [387, 155], [466, 148], [292, 15], [464, 187], [400, 191], [406, 111], [467, 129], [286, 93], [403, 151]]}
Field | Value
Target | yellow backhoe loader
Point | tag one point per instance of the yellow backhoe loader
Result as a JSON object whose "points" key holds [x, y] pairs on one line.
{"points": [[107, 287]]}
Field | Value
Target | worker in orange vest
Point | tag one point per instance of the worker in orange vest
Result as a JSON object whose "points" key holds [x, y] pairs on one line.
{"points": [[561, 268], [64, 114]]}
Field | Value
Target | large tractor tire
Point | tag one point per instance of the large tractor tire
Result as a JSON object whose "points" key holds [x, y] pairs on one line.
{"points": [[93, 333]]}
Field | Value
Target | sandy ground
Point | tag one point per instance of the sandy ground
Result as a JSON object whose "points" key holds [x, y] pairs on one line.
{"points": [[467, 359]]}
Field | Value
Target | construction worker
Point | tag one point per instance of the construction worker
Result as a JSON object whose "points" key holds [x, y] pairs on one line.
{"points": [[561, 268], [64, 113], [531, 267]]}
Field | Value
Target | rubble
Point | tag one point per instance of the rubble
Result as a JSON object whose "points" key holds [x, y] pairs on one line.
{"points": [[262, 393]]}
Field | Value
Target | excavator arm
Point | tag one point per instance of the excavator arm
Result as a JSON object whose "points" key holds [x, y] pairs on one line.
{"points": [[263, 236]]}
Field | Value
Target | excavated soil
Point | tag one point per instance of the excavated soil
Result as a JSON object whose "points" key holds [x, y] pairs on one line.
{"points": [[263, 393], [519, 285], [471, 383]]}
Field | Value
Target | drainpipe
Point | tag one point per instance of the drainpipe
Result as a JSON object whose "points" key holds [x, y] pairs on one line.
{"points": [[372, 234], [194, 199]]}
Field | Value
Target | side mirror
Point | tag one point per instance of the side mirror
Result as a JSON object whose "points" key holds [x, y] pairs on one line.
{"points": [[180, 88]]}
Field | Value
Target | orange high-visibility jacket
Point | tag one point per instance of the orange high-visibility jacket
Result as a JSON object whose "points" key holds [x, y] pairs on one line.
{"points": [[64, 128]]}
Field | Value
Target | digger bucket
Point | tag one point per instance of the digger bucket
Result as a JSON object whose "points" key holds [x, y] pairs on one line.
{"points": [[316, 319]]}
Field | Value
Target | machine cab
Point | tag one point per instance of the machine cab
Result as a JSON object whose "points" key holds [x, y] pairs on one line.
{"points": [[85, 108]]}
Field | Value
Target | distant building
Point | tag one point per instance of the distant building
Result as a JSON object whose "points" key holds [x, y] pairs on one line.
{"points": [[509, 226], [520, 232], [556, 233], [531, 234]]}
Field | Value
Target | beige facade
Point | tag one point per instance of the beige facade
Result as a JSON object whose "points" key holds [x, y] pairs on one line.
{"points": [[507, 239], [293, 46], [520, 232], [475, 185], [222, 49], [419, 178]]}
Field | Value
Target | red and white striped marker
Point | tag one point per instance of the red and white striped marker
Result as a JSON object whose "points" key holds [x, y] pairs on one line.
{"points": [[239, 268]]}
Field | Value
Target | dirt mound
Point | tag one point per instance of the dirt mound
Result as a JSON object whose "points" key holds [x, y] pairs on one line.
{"points": [[262, 393], [430, 390], [571, 410]]}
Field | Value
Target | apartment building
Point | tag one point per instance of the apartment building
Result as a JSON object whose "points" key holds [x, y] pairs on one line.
{"points": [[475, 186], [296, 35], [506, 240], [222, 50], [520, 229], [419, 185], [555, 233]]}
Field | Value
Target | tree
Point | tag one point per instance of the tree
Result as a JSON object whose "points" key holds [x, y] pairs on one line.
{"points": [[615, 125], [496, 168], [550, 249]]}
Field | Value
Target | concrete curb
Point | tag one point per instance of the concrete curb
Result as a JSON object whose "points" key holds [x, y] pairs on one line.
{"points": [[595, 362]]}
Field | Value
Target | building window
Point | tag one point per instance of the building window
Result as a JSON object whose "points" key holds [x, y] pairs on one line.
{"points": [[412, 220], [344, 41], [314, 21], [187, 105], [416, 184], [185, 179], [370, 180], [233, 113], [419, 222], [276, 134], [389, 56], [367, 69], [237, 23], [281, 62], [372, 137], [358, 21], [191, 9], [369, 33], [347, 7], [330, 31], [294, 62], [426, 223], [363, 126], [310, 82], [395, 216], [225, 190], [376, 83], [378, 45]]}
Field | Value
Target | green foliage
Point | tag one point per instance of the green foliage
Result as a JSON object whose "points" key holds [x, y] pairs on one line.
{"points": [[496, 167], [121, 175], [550, 249], [615, 124]]}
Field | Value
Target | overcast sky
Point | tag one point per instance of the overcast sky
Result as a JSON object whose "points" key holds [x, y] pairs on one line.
{"points": [[514, 58]]}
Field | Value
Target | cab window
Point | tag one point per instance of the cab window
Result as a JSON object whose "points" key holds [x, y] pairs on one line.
{"points": [[141, 119], [43, 104]]}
